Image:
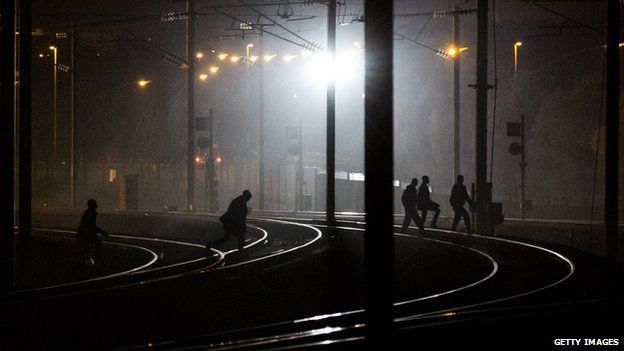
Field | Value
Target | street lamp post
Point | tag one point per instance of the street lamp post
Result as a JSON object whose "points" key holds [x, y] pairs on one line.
{"points": [[516, 45], [54, 108], [456, 91]]}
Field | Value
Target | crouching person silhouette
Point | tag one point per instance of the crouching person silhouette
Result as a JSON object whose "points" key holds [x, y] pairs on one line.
{"points": [[87, 234], [235, 219], [409, 199]]}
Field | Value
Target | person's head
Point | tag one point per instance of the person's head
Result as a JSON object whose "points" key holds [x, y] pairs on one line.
{"points": [[460, 179], [414, 182], [91, 204], [247, 195], [425, 179]]}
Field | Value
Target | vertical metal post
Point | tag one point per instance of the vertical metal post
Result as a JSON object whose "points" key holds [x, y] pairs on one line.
{"points": [[456, 106], [481, 116], [210, 168], [190, 106], [378, 187], [25, 118], [522, 168], [261, 124], [300, 169], [7, 138], [72, 117], [278, 188], [330, 207], [55, 108], [612, 159]]}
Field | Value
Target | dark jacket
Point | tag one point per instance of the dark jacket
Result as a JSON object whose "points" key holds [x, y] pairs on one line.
{"points": [[235, 219], [424, 195], [88, 230], [410, 196], [459, 195]]}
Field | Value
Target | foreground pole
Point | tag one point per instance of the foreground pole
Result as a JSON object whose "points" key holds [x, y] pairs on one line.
{"points": [[330, 198], [612, 159], [25, 162], [378, 188], [7, 137], [481, 117], [190, 106]]}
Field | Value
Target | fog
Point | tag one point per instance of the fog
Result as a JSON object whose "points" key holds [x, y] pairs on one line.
{"points": [[124, 129]]}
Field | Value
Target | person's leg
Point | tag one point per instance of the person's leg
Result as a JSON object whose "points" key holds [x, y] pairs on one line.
{"points": [[466, 216], [406, 220], [436, 213], [423, 214], [419, 222], [241, 241], [457, 214]]}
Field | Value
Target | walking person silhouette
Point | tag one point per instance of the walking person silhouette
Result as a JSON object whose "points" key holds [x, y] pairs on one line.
{"points": [[425, 203], [409, 199], [459, 196], [87, 234], [235, 219]]}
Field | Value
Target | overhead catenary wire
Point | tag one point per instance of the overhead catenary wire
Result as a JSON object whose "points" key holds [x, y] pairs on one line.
{"points": [[313, 46], [259, 27]]}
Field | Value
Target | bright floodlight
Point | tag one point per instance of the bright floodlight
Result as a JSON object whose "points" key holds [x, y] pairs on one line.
{"points": [[235, 59], [199, 55], [222, 56], [213, 69], [452, 51], [250, 45], [52, 47], [347, 66], [518, 43], [203, 76]]}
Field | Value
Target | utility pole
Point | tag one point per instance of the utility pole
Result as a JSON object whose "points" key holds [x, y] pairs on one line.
{"points": [[330, 206], [378, 169], [523, 165], [7, 137], [261, 123], [483, 188], [612, 128], [210, 168], [300, 169], [72, 117], [456, 106], [190, 106], [25, 119]]}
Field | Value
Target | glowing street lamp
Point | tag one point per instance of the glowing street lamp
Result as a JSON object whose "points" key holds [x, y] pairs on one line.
{"points": [[199, 55], [235, 59], [222, 56], [269, 57], [213, 69], [143, 83], [203, 76], [516, 45], [248, 51]]}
